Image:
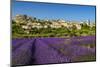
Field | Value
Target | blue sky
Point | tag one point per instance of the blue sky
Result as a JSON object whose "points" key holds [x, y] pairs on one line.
{"points": [[54, 11]]}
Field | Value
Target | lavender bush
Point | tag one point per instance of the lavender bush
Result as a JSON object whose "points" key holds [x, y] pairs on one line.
{"points": [[53, 50]]}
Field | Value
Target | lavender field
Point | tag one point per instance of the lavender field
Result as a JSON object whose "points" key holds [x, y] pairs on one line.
{"points": [[35, 51]]}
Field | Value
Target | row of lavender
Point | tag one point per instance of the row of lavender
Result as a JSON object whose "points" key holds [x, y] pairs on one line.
{"points": [[53, 50]]}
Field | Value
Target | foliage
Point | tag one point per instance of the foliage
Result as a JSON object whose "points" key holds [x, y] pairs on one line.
{"points": [[49, 32]]}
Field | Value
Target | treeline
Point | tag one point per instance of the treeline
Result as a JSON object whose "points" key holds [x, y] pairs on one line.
{"points": [[18, 31], [85, 30]]}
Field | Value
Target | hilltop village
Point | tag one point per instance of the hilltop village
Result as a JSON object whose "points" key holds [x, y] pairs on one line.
{"points": [[23, 24]]}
